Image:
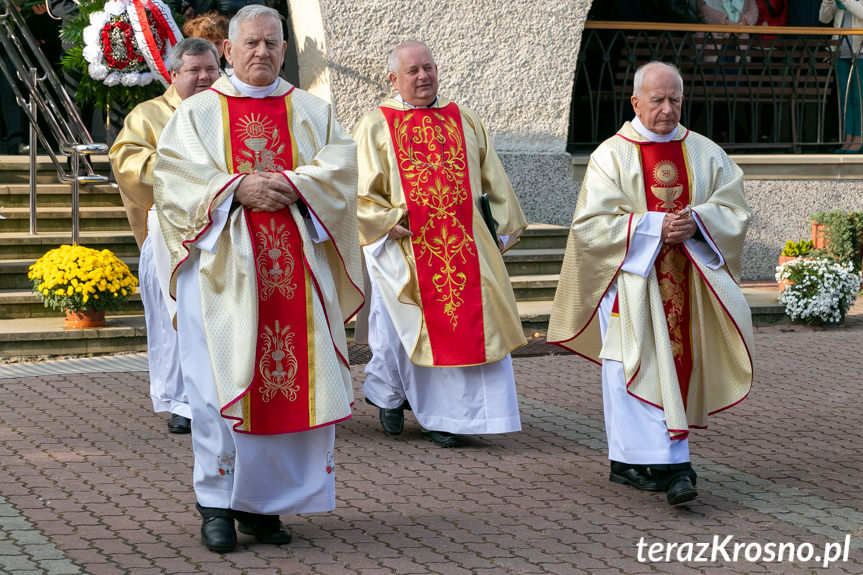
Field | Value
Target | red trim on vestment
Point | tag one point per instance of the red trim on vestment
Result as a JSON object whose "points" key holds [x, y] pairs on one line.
{"points": [[608, 287], [192, 241]]}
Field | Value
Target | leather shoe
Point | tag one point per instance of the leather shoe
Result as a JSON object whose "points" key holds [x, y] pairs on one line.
{"points": [[638, 476], [680, 490], [179, 424], [265, 528], [392, 420], [441, 438], [218, 534]]}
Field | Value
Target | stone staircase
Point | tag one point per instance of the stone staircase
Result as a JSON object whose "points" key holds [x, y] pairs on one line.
{"points": [[29, 330]]}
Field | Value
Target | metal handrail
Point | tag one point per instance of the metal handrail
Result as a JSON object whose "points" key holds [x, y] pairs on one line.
{"points": [[744, 83], [32, 75]]}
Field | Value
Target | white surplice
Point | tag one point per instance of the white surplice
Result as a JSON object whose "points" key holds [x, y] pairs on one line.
{"points": [[476, 399]]}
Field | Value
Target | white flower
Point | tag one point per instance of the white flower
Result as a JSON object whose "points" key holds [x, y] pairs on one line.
{"points": [[98, 19], [146, 78], [130, 79], [819, 290], [92, 54], [97, 71], [91, 35], [112, 80], [115, 7]]}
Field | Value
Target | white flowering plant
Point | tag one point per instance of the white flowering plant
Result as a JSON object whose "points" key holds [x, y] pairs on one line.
{"points": [[818, 291]]}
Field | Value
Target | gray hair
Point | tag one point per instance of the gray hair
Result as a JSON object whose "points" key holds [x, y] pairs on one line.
{"points": [[251, 12], [638, 79], [394, 62], [192, 47]]}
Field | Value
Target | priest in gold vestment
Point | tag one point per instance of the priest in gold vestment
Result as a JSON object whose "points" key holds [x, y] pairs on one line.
{"points": [[442, 314], [255, 185], [649, 286], [194, 64]]}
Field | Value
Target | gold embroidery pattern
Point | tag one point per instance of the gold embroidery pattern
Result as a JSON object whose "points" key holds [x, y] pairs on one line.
{"points": [[436, 174], [263, 145], [665, 174], [672, 277], [277, 345], [274, 261]]}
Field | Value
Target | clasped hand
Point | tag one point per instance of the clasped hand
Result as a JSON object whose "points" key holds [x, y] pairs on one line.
{"points": [[678, 227], [265, 192]]}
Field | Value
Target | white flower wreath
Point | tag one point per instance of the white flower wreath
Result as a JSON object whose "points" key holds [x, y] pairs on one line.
{"points": [[116, 44]]}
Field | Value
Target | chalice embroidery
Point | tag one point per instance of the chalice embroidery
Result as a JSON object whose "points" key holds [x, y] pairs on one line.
{"points": [[263, 144], [667, 189]]}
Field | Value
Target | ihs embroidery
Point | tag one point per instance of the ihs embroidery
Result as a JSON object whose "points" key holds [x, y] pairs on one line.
{"points": [[263, 145]]}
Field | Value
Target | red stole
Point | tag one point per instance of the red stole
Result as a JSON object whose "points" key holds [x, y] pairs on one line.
{"points": [[280, 397], [432, 161], [666, 187]]}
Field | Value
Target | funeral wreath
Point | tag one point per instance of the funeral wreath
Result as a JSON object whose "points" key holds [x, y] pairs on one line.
{"points": [[76, 278], [818, 291]]}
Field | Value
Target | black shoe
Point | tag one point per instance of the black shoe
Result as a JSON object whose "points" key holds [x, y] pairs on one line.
{"points": [[638, 476], [392, 420], [441, 438], [265, 528], [218, 534], [680, 490], [217, 529], [179, 424]]}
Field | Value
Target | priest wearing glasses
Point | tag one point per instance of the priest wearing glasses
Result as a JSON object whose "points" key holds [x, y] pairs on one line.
{"points": [[435, 212]]}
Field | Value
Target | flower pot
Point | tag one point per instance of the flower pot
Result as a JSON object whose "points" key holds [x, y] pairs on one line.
{"points": [[818, 236], [84, 319]]}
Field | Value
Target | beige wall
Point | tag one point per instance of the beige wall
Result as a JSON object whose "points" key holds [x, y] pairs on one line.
{"points": [[513, 62]]}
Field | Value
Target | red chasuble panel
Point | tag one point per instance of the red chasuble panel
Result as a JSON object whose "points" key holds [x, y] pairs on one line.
{"points": [[279, 398], [666, 185], [432, 161]]}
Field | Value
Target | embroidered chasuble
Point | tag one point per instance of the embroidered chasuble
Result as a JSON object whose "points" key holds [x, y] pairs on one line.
{"points": [[278, 397], [666, 186], [445, 288], [430, 149], [683, 333]]}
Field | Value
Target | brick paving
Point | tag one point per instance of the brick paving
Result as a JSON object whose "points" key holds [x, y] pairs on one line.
{"points": [[92, 483]]}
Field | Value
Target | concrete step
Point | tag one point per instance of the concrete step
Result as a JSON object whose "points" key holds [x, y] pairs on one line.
{"points": [[13, 273], [59, 219], [16, 169], [541, 261], [534, 287], [22, 245], [55, 194], [25, 304], [46, 336], [543, 236]]}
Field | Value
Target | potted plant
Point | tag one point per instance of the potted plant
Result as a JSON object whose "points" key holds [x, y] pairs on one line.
{"points": [[840, 235], [795, 250], [82, 282], [818, 291]]}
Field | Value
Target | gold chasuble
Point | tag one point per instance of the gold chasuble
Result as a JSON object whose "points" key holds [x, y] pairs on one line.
{"points": [[445, 287], [683, 333], [274, 302], [278, 398], [429, 146]]}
